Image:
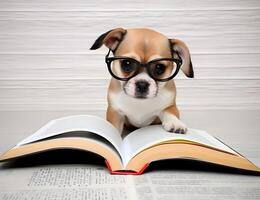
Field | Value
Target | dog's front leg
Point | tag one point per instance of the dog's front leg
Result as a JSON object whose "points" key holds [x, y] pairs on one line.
{"points": [[116, 119], [170, 120]]}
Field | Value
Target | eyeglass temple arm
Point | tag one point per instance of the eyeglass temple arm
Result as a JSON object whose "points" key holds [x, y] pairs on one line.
{"points": [[108, 53]]}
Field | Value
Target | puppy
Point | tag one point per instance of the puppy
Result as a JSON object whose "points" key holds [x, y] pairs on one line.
{"points": [[142, 90]]}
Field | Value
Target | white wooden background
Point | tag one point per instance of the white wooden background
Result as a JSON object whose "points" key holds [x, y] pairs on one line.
{"points": [[46, 64]]}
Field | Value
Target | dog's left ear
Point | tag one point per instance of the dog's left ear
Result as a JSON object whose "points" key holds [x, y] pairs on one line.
{"points": [[179, 47], [111, 39]]}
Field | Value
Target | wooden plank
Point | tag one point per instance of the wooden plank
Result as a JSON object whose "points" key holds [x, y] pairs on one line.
{"points": [[96, 59], [203, 95], [102, 83], [83, 5], [211, 31], [70, 94], [50, 106], [100, 72], [27, 44], [56, 106], [204, 22], [66, 67]]}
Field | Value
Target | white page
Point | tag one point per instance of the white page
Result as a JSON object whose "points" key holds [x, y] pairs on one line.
{"points": [[195, 185], [90, 182], [63, 182], [148, 136], [93, 124]]}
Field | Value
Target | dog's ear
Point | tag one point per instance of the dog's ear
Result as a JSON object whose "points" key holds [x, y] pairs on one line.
{"points": [[111, 39], [180, 48]]}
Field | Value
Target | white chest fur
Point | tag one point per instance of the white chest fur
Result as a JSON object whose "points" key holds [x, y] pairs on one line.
{"points": [[141, 112]]}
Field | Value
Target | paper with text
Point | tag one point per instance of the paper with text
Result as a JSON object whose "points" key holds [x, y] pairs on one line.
{"points": [[82, 182], [64, 182]]}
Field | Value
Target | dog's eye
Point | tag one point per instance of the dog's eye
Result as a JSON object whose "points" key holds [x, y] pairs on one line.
{"points": [[159, 69], [127, 66]]}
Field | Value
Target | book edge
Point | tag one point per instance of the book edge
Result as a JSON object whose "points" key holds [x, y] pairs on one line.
{"points": [[34, 148], [125, 172]]}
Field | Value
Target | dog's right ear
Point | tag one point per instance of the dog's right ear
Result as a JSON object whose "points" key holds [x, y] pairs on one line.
{"points": [[111, 39]]}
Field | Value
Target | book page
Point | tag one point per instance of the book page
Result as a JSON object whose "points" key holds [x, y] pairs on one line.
{"points": [[195, 185], [151, 135], [88, 123], [63, 182], [94, 182]]}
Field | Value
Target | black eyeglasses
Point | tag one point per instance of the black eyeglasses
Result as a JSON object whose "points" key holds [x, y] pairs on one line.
{"points": [[124, 68]]}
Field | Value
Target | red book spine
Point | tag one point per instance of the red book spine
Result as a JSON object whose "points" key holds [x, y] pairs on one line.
{"points": [[125, 172]]}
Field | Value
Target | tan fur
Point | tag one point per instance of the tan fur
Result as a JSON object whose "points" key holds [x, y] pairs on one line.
{"points": [[145, 43]]}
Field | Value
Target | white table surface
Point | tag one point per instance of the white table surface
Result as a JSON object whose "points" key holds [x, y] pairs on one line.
{"points": [[238, 129]]}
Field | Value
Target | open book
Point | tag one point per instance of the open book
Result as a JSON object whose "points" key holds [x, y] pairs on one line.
{"points": [[132, 154]]}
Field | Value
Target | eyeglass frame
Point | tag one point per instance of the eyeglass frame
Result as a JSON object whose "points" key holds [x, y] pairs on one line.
{"points": [[109, 60]]}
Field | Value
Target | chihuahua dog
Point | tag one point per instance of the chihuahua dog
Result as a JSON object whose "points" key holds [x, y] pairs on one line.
{"points": [[142, 90]]}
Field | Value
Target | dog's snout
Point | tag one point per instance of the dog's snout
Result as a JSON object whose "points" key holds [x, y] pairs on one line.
{"points": [[142, 87]]}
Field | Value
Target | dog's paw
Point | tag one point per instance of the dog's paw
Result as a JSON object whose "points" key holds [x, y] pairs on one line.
{"points": [[174, 125]]}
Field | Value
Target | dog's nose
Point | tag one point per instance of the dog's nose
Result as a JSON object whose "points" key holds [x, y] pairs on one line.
{"points": [[142, 87]]}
